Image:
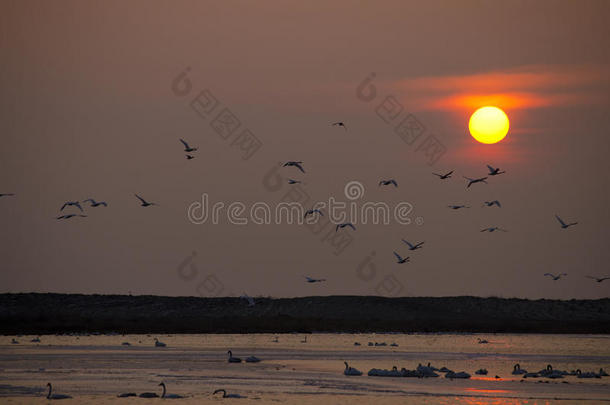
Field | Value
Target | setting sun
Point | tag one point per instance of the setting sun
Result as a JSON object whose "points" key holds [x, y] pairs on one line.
{"points": [[488, 125]]}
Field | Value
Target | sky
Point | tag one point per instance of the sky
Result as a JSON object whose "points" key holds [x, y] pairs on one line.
{"points": [[95, 97]]}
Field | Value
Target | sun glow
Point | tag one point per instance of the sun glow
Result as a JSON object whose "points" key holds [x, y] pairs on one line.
{"points": [[488, 125]]}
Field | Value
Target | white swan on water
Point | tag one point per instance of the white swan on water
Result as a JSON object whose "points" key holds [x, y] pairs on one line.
{"points": [[350, 370], [50, 395]]}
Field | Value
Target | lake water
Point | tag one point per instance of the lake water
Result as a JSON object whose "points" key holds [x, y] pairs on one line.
{"points": [[94, 369]]}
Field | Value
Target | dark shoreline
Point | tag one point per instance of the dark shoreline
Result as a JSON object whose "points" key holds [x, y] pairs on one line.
{"points": [[34, 313]]}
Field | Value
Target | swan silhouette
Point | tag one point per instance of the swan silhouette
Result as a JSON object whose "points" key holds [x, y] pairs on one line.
{"points": [[127, 395], [313, 211], [314, 280], [50, 395], [343, 225], [444, 176], [187, 148], [159, 343], [457, 207], [68, 216], [71, 203], [518, 370], [166, 395], [252, 359], [494, 171], [555, 277], [388, 182], [225, 395], [563, 224], [492, 203], [350, 370], [144, 202], [292, 181], [400, 260], [474, 181], [296, 164], [95, 203], [339, 124], [233, 359], [411, 246], [598, 279]]}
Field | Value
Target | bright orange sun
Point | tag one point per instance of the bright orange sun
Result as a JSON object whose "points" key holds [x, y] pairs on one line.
{"points": [[488, 124]]}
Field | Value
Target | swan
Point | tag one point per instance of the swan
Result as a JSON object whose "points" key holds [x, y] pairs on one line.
{"points": [[457, 207], [252, 359], [598, 279], [187, 148], [233, 359], [555, 277], [144, 202], [127, 395], [492, 203], [71, 203], [314, 280], [339, 124], [531, 375], [292, 181], [481, 371], [388, 182], [159, 344], [394, 344], [587, 374], [474, 181], [169, 396], [494, 171], [189, 157], [563, 224], [35, 340], [415, 246], [343, 225], [482, 341], [70, 216], [409, 373], [444, 176], [461, 374], [350, 370], [50, 395], [298, 165], [401, 260], [95, 203], [148, 395], [518, 370], [225, 395], [313, 211], [427, 371], [548, 372], [493, 229]]}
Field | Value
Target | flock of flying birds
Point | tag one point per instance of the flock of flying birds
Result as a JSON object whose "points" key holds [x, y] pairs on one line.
{"points": [[493, 171]]}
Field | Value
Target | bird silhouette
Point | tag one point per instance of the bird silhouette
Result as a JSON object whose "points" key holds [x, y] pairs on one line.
{"points": [[313, 211], [144, 202], [493, 229], [343, 225], [95, 203], [457, 207], [494, 171], [298, 165], [187, 148], [474, 181], [555, 277], [388, 182], [68, 216], [71, 203], [492, 203], [444, 176], [413, 247], [598, 279], [291, 181], [314, 280], [189, 157], [563, 224], [399, 259], [339, 124]]}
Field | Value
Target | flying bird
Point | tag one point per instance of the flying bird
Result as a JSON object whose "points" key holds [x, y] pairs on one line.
{"points": [[492, 203], [473, 181], [314, 280], [313, 211], [555, 277], [6, 194], [189, 157], [598, 279], [187, 148], [563, 224], [295, 164], [413, 247], [343, 225], [72, 203], [457, 207], [339, 124], [400, 260], [494, 171], [70, 216], [388, 182], [493, 229], [144, 202], [444, 176], [95, 203], [291, 181]]}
